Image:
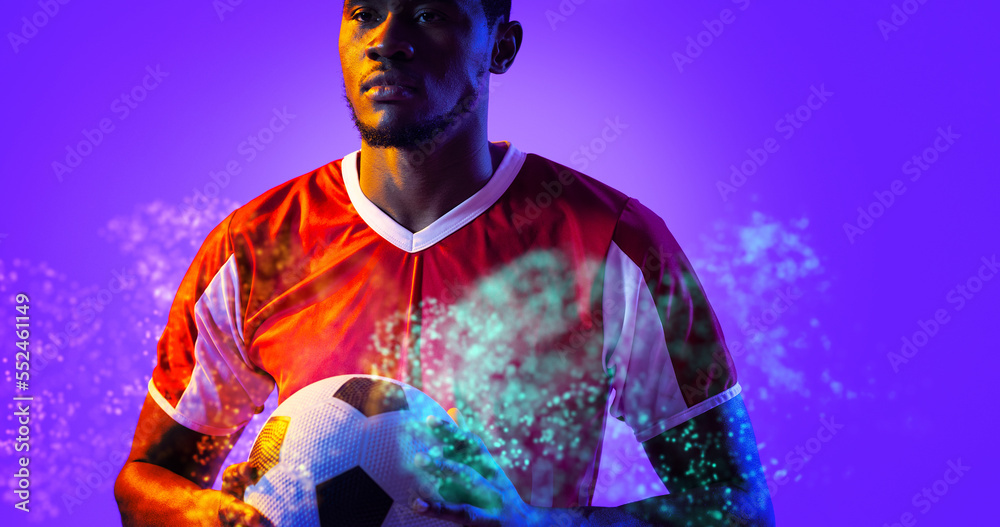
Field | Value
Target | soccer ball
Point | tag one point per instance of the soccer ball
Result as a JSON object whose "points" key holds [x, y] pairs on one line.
{"points": [[337, 452]]}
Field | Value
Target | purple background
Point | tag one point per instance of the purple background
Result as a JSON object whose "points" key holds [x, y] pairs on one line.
{"points": [[123, 210]]}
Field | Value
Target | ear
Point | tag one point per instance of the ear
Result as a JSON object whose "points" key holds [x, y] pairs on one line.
{"points": [[505, 48]]}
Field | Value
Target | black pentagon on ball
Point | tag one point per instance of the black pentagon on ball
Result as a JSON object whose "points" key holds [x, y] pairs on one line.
{"points": [[352, 499], [372, 396]]}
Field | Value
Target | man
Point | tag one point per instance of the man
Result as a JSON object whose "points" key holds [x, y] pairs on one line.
{"points": [[531, 297]]}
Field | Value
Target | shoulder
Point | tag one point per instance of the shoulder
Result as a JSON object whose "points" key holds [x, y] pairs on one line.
{"points": [[632, 216], [556, 179], [286, 205], [635, 228], [563, 195], [643, 235]]}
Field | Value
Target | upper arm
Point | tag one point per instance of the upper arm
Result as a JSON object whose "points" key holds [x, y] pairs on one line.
{"points": [[664, 350], [204, 381], [161, 441], [674, 382], [203, 389], [711, 452]]}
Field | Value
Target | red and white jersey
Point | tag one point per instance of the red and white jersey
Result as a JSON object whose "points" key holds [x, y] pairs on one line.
{"points": [[539, 306]]}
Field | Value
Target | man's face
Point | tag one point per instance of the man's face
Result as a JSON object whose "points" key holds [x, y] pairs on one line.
{"points": [[410, 66]]}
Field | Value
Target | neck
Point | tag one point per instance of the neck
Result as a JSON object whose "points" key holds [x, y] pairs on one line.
{"points": [[415, 188]]}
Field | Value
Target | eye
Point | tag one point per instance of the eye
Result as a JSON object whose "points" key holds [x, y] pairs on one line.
{"points": [[429, 16], [364, 16]]}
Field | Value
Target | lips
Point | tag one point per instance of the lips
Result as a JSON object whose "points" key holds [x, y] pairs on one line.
{"points": [[388, 78], [389, 93]]}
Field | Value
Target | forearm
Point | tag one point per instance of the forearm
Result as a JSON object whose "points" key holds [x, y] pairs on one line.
{"points": [[151, 496], [715, 506]]}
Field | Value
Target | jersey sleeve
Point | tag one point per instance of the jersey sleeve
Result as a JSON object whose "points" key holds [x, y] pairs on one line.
{"points": [[664, 351], [203, 378]]}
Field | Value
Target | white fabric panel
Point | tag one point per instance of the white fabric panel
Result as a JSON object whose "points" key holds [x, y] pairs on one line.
{"points": [[646, 393], [626, 474], [225, 391]]}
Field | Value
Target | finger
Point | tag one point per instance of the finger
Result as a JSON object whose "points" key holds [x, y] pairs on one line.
{"points": [[455, 438], [456, 482], [433, 485], [237, 477], [236, 513], [426, 486], [484, 462], [465, 447]]}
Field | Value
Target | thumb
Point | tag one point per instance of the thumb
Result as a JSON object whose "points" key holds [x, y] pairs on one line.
{"points": [[234, 512], [237, 477]]}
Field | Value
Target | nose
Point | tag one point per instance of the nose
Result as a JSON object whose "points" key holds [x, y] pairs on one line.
{"points": [[390, 40]]}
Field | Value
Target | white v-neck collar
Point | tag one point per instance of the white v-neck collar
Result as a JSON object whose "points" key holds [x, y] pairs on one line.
{"points": [[453, 220]]}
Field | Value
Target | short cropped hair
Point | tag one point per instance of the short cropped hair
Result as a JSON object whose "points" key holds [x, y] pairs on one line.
{"points": [[496, 10]]}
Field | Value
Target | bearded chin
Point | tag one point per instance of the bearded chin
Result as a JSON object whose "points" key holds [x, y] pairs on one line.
{"points": [[411, 136], [408, 136]]}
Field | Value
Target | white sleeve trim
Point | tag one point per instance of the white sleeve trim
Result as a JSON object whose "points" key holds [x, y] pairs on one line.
{"points": [[187, 423], [690, 413]]}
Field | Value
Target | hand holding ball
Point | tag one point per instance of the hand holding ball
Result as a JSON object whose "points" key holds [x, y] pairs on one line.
{"points": [[340, 452]]}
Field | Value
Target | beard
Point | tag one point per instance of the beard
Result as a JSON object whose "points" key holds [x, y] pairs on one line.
{"points": [[411, 136]]}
